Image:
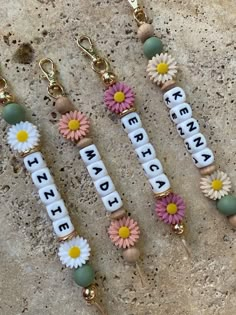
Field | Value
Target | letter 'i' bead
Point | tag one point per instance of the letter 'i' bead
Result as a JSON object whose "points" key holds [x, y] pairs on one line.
{"points": [[34, 162], [112, 202], [57, 210]]}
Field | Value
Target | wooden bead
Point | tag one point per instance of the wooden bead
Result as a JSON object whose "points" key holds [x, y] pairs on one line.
{"points": [[131, 255], [118, 214], [85, 142], [168, 85], [232, 220], [208, 170], [145, 31], [64, 105]]}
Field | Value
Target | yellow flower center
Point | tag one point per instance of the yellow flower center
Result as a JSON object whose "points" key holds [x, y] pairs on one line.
{"points": [[162, 68], [172, 208], [22, 136], [217, 184], [74, 124], [124, 232], [119, 97], [74, 252]]}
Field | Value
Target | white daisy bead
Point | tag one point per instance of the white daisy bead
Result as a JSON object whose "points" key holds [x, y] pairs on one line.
{"points": [[131, 122], [104, 186], [146, 153], [160, 183], [34, 162], [188, 128], [90, 154], [174, 97], [152, 168], [42, 177], [181, 113], [74, 253], [203, 158], [195, 143], [57, 210], [49, 194], [63, 227], [138, 137], [112, 202], [97, 170]]}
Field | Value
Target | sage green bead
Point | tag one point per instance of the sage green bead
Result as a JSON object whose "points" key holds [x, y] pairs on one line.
{"points": [[152, 46], [227, 205], [84, 276], [13, 113]]}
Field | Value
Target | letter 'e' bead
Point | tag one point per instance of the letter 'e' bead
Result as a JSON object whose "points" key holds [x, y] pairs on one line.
{"points": [[63, 226]]}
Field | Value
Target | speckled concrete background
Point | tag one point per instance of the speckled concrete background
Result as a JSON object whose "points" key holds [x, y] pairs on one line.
{"points": [[201, 34]]}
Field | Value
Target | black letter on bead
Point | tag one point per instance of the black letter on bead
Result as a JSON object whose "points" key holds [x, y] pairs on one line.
{"points": [[139, 137], [187, 146], [191, 126], [42, 177], [206, 157], [56, 210], [195, 160], [181, 131], [32, 162], [153, 167], [177, 94], [160, 183], [97, 170], [198, 142], [90, 154], [63, 226], [111, 202], [49, 194], [183, 111], [147, 152], [104, 186], [174, 116], [167, 100], [133, 120]]}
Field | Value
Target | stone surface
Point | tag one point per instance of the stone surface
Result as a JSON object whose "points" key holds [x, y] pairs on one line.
{"points": [[201, 35]]}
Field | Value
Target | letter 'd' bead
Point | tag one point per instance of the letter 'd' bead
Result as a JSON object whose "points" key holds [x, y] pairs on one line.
{"points": [[104, 186]]}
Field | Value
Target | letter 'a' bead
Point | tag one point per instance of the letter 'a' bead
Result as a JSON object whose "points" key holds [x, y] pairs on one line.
{"points": [[180, 113], [112, 202], [131, 122], [49, 194], [42, 177], [160, 183], [104, 186], [146, 153], [152, 168], [195, 143], [97, 170], [57, 210], [174, 97], [203, 158], [63, 226], [90, 154], [34, 162], [138, 137], [188, 128]]}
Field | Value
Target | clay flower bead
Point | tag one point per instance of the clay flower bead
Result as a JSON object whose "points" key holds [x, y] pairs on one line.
{"points": [[23, 136], [74, 125], [74, 253], [216, 185], [119, 97], [124, 233], [161, 68], [171, 209]]}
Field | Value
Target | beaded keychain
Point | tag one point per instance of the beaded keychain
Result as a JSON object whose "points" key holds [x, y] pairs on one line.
{"points": [[119, 98], [24, 139], [162, 70], [124, 231]]}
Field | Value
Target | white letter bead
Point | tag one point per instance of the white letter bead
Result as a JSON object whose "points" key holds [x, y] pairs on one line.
{"points": [[174, 97], [97, 170], [181, 113], [42, 177], [63, 226], [57, 210], [152, 168], [49, 194], [146, 153], [203, 158], [138, 137], [160, 183], [188, 128], [34, 162], [104, 186], [131, 122], [112, 202], [90, 154], [195, 143]]}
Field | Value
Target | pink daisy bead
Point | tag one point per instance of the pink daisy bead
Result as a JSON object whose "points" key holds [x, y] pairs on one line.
{"points": [[124, 233], [119, 97], [171, 209], [74, 125]]}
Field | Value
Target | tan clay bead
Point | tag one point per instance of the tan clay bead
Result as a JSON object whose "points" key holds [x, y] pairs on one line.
{"points": [[232, 220], [168, 85], [208, 170], [131, 255], [118, 214], [145, 31], [85, 142], [63, 105]]}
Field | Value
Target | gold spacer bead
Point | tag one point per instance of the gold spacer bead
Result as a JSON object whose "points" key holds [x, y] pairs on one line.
{"points": [[30, 151], [89, 293], [68, 237], [108, 78], [168, 85], [5, 98], [208, 170], [178, 228], [163, 194], [127, 111]]}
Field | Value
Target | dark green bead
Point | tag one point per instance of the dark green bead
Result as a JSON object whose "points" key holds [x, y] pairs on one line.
{"points": [[84, 276], [152, 46], [13, 113], [227, 205]]}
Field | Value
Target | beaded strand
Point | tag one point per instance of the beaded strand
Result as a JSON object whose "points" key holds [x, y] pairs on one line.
{"points": [[162, 70], [24, 138]]}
